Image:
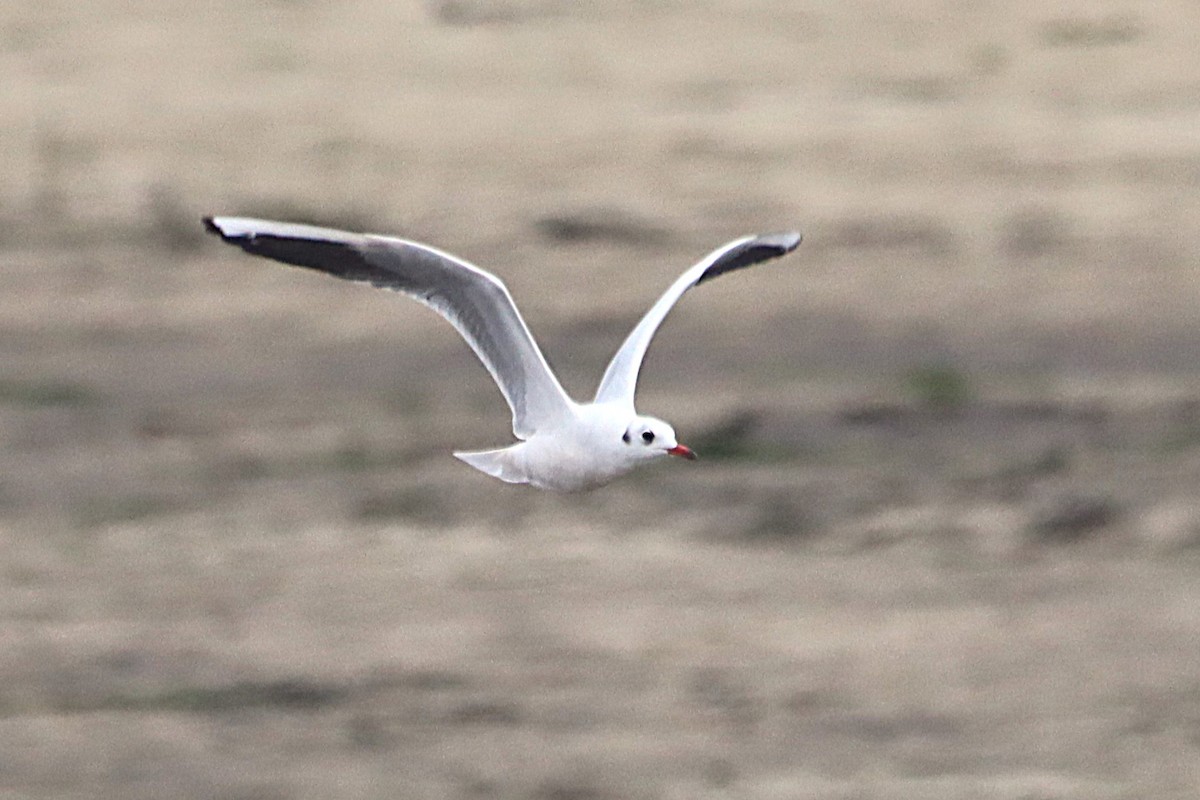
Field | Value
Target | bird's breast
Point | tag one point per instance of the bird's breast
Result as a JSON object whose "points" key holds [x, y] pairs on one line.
{"points": [[570, 465]]}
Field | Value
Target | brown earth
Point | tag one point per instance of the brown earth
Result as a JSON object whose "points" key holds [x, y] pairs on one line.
{"points": [[942, 539]]}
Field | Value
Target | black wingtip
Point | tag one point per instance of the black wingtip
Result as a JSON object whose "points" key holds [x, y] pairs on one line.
{"points": [[211, 226], [753, 251]]}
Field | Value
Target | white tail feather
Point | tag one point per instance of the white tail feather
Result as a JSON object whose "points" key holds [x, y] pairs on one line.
{"points": [[497, 463]]}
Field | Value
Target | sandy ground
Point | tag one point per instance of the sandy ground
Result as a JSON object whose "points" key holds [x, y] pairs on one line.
{"points": [[943, 540]]}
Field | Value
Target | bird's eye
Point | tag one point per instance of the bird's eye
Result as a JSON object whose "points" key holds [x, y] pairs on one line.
{"points": [[647, 436], [625, 437]]}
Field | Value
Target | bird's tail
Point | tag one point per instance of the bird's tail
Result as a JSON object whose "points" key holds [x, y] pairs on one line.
{"points": [[499, 463]]}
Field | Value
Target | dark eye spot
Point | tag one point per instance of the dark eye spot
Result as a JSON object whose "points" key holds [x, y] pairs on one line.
{"points": [[647, 436], [625, 437]]}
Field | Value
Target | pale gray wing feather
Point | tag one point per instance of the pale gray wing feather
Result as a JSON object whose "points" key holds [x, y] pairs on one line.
{"points": [[475, 302], [620, 379]]}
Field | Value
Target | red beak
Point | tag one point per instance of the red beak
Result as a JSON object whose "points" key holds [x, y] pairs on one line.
{"points": [[683, 451]]}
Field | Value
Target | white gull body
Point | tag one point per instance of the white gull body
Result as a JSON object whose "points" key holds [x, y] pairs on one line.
{"points": [[564, 445]]}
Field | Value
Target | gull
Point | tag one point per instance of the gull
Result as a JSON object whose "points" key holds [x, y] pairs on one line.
{"points": [[564, 445]]}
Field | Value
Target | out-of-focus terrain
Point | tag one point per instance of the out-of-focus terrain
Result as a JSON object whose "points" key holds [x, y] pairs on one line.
{"points": [[942, 538]]}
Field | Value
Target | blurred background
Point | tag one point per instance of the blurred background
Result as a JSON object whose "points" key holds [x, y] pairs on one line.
{"points": [[942, 538]]}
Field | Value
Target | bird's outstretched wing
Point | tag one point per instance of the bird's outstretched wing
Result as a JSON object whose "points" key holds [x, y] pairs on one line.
{"points": [[620, 379], [475, 302]]}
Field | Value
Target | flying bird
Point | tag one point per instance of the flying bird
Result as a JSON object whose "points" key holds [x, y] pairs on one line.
{"points": [[564, 445]]}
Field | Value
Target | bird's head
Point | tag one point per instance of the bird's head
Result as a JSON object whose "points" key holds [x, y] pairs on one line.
{"points": [[647, 437]]}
